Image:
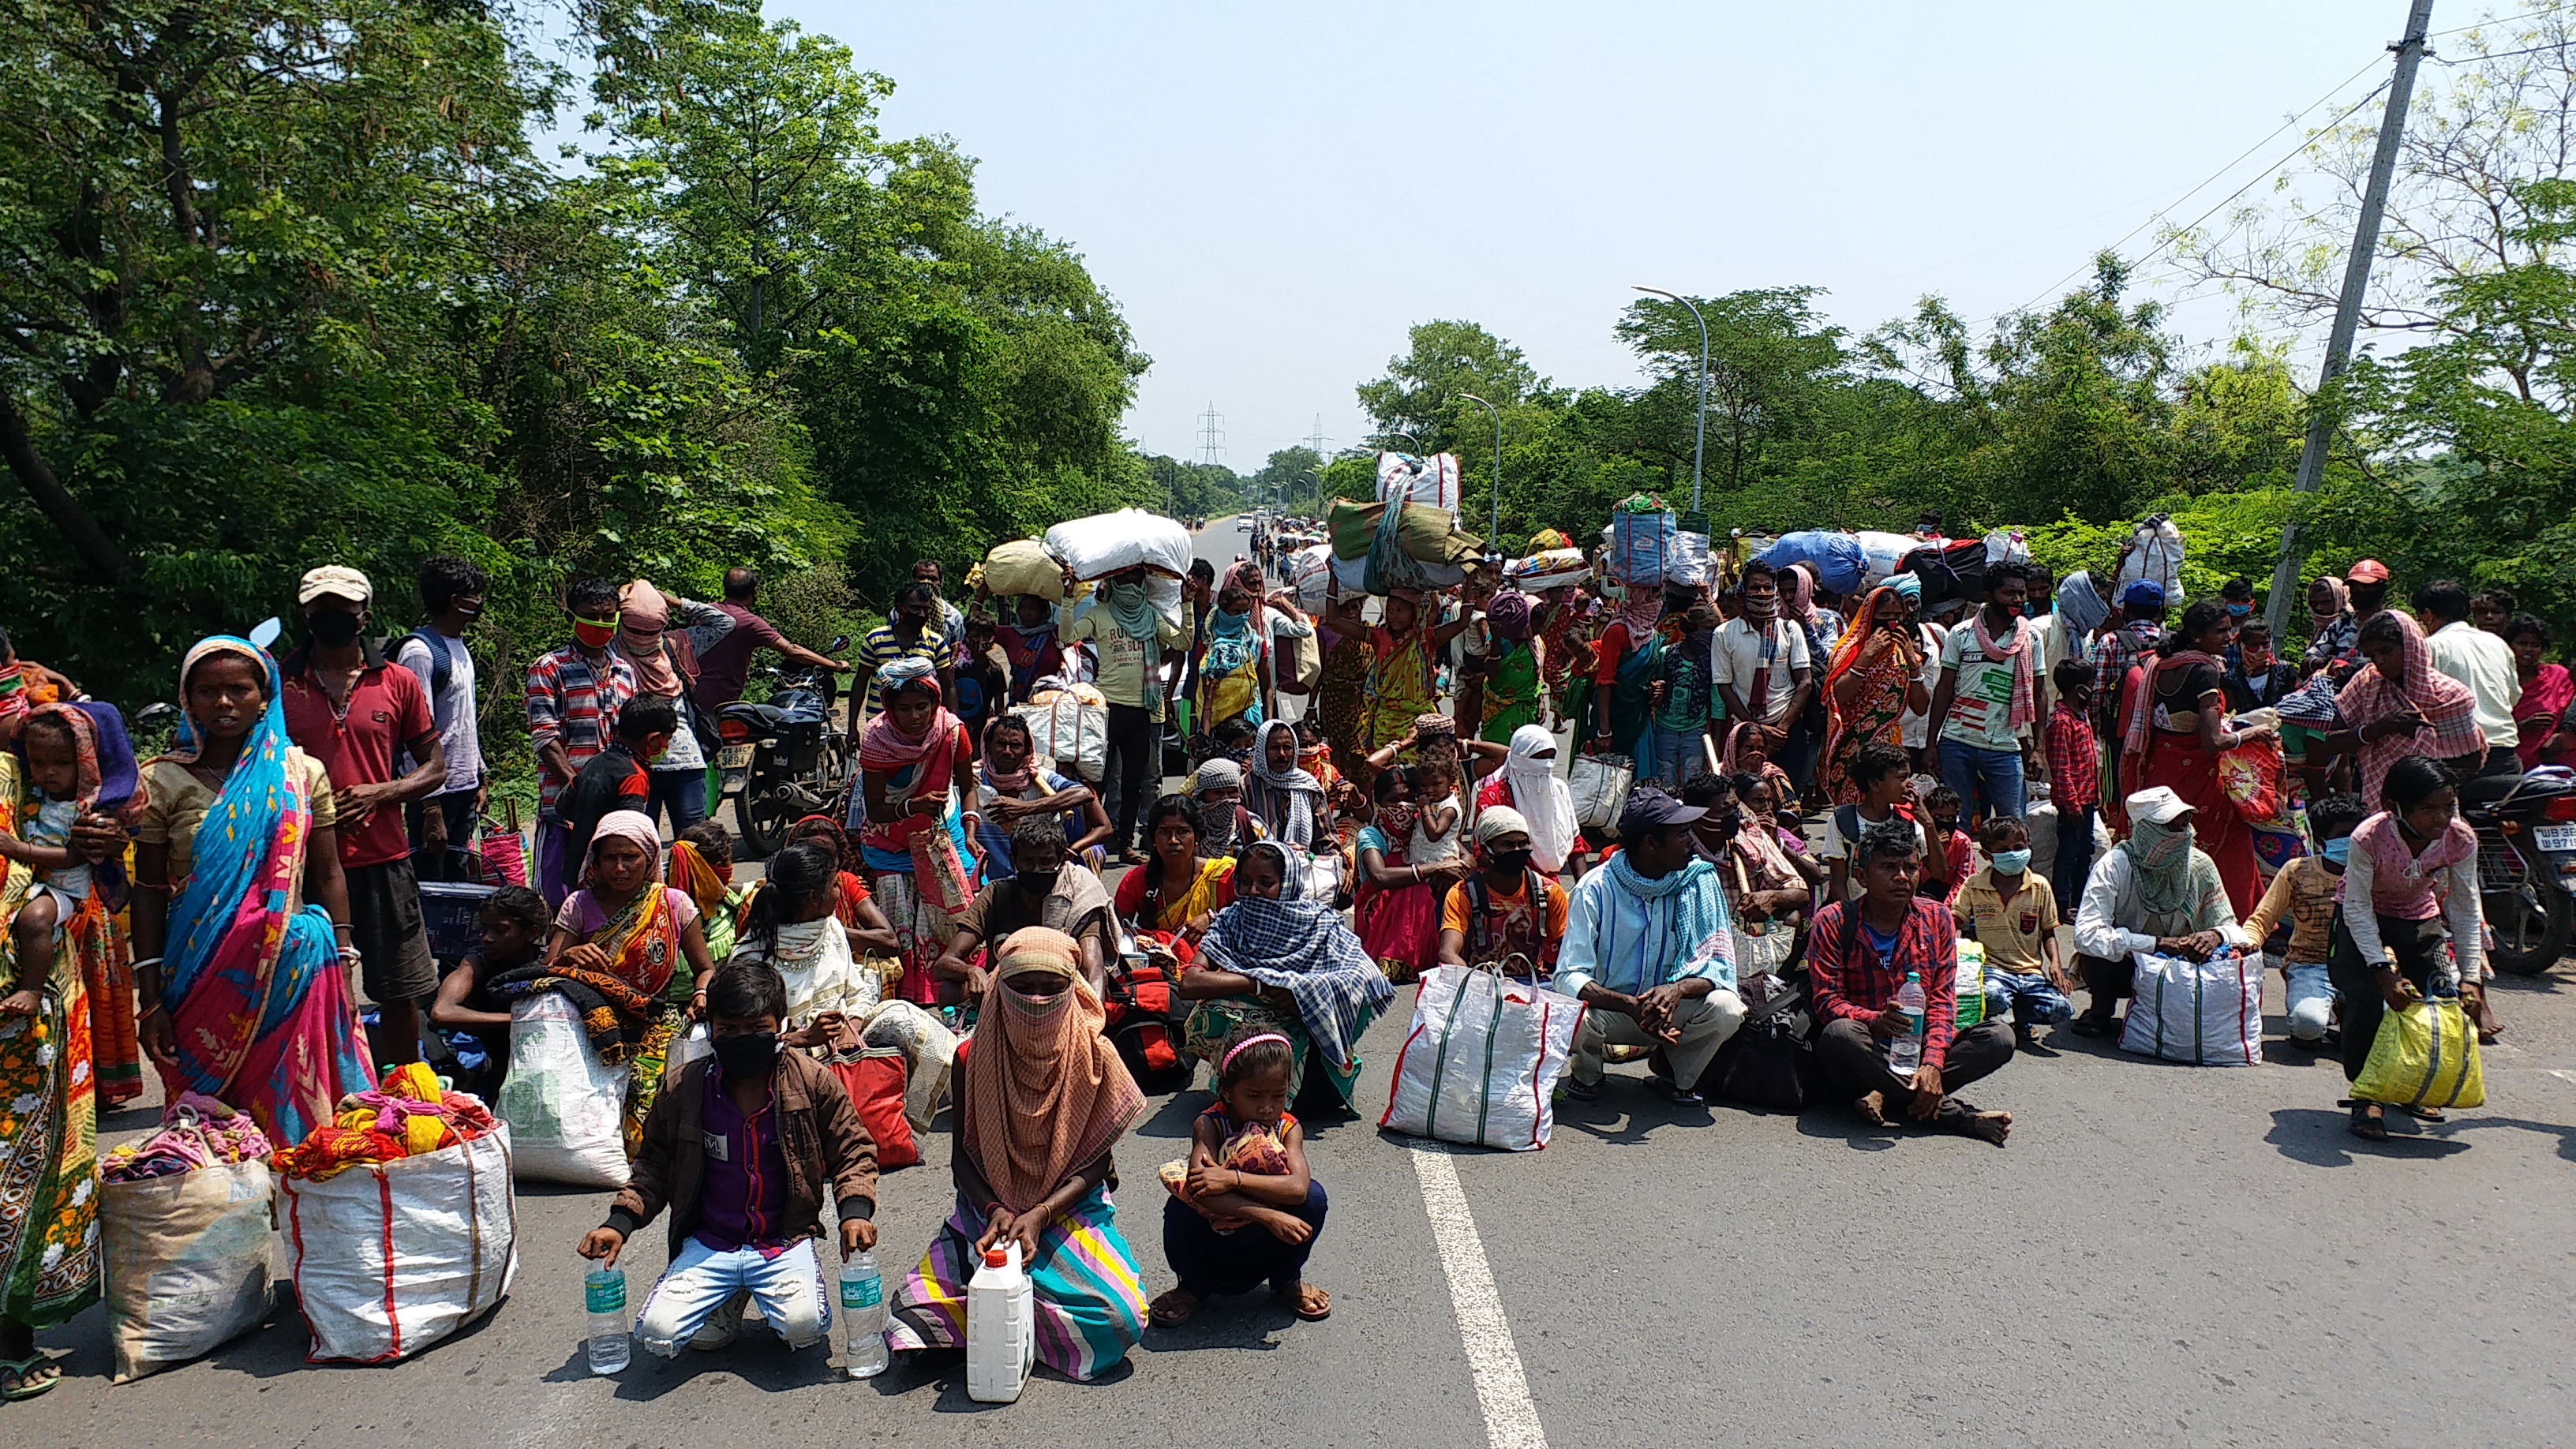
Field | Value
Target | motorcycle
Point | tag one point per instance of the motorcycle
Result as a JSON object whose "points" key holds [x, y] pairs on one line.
{"points": [[783, 759], [2526, 826]]}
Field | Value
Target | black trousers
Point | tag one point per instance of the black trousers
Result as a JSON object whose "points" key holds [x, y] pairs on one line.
{"points": [[1210, 1263], [1849, 1060], [448, 864], [2418, 947], [1133, 742], [2108, 980]]}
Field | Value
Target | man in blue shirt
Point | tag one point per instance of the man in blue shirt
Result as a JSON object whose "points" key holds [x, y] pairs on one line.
{"points": [[1646, 948]]}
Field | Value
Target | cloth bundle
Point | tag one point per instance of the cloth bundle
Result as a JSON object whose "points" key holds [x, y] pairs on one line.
{"points": [[196, 1131], [407, 1116]]}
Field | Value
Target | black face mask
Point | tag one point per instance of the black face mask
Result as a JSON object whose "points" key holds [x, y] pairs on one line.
{"points": [[1034, 883], [1516, 862], [332, 629], [752, 1054]]}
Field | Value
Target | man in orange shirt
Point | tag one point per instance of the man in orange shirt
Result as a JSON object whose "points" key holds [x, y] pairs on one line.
{"points": [[1508, 908]]}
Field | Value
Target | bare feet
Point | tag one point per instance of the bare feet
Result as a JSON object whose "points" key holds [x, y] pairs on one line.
{"points": [[1873, 1109], [1991, 1127], [1309, 1302], [1175, 1306]]}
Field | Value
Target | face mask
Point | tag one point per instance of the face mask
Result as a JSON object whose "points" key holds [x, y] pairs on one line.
{"points": [[594, 633], [2012, 862], [2336, 851], [752, 1054], [1217, 816], [2239, 611], [1034, 882], [468, 610], [1515, 861], [332, 629]]}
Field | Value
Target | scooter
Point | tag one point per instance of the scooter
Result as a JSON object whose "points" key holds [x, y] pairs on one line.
{"points": [[2526, 827], [783, 759]]}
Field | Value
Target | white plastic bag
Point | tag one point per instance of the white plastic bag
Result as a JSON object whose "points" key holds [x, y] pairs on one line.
{"points": [[389, 1258], [1432, 480], [1884, 551], [1070, 730], [1481, 1061], [2154, 551], [189, 1262], [1554, 568], [1310, 570], [2207, 1013], [1600, 785], [1108, 543], [687, 1047], [562, 1105], [2005, 545], [1351, 575]]}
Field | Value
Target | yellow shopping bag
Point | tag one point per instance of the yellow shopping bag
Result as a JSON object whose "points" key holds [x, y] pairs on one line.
{"points": [[2424, 1056]]}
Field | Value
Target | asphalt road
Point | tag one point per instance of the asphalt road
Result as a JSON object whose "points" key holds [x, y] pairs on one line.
{"points": [[2163, 1255]]}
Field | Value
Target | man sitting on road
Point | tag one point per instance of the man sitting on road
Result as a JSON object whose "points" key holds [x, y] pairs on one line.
{"points": [[1507, 908], [2154, 892], [1646, 948], [1858, 956], [1044, 889]]}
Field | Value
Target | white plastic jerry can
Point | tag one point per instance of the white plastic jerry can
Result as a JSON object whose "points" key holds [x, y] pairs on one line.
{"points": [[1001, 1327]]}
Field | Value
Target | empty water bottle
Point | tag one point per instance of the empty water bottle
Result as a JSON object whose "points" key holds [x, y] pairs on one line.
{"points": [[1905, 1049], [863, 1317], [603, 1291]]}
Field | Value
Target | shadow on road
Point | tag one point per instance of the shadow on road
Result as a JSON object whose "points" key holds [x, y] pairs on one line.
{"points": [[2318, 1136]]}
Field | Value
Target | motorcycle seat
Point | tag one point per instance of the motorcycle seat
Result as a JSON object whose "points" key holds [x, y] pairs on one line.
{"points": [[766, 714], [2537, 785]]}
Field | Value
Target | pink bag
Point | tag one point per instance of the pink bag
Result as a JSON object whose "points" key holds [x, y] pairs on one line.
{"points": [[938, 872], [502, 855]]}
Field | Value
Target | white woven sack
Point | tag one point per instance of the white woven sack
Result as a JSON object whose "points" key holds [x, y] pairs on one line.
{"points": [[563, 1105], [1481, 1061], [389, 1258], [1600, 786], [2206, 1013], [1108, 543]]}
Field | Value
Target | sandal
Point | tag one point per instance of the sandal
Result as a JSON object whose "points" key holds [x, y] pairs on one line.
{"points": [[28, 1377], [2424, 1114], [1174, 1307], [1298, 1303], [2366, 1124]]}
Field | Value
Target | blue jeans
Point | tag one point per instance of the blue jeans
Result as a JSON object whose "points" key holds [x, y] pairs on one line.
{"points": [[788, 1290], [1990, 779], [2031, 998], [1677, 755], [2308, 1001], [2074, 863], [682, 792]]}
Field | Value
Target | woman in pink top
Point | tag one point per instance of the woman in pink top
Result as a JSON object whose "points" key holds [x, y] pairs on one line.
{"points": [[2410, 885]]}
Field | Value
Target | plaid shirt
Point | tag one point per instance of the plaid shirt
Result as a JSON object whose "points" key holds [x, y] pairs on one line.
{"points": [[569, 702], [2074, 760], [1846, 980], [2118, 650]]}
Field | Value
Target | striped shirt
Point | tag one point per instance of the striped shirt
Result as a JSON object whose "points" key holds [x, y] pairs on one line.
{"points": [[572, 701]]}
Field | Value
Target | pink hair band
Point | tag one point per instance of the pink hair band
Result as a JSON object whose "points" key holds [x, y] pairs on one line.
{"points": [[1237, 1049]]}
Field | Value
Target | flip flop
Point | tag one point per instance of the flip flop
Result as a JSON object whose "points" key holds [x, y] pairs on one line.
{"points": [[1294, 1306], [24, 1373], [2367, 1127], [1166, 1315]]}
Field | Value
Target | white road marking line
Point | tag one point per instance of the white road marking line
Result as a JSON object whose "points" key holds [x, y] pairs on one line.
{"points": [[1511, 1419]]}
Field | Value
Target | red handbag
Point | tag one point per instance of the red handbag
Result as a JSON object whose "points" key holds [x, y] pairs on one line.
{"points": [[875, 1082]]}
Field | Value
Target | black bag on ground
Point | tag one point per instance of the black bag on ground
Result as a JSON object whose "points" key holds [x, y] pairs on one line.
{"points": [[1767, 1065]]}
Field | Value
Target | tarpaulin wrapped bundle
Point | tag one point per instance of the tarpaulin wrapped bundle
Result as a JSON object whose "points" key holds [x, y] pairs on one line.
{"points": [[1432, 480], [1310, 572], [1884, 552], [1644, 540], [1426, 534], [1553, 568], [1841, 564]]}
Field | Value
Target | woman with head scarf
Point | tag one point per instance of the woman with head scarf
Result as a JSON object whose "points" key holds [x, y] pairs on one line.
{"points": [[2155, 892], [1234, 676], [1283, 795], [1624, 672], [2174, 728], [66, 1016], [910, 821], [2399, 704], [665, 661], [1225, 826], [239, 906], [1529, 783], [2333, 633], [1513, 667], [1277, 959], [1041, 1099], [1874, 677]]}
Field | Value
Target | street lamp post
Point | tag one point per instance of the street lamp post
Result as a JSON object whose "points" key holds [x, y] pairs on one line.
{"points": [[1319, 489], [1699, 445], [1497, 529]]}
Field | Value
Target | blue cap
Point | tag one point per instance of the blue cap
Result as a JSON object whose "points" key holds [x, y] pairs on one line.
{"points": [[2144, 591]]}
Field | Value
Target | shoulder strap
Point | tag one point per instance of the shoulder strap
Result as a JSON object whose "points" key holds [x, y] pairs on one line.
{"points": [[1847, 822], [442, 665]]}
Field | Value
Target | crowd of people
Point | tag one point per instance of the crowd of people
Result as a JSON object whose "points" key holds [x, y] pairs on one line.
{"points": [[1833, 792]]}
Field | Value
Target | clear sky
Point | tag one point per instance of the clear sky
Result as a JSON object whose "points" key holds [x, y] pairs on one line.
{"points": [[1275, 193]]}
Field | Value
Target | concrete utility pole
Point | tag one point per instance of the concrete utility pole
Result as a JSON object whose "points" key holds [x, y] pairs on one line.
{"points": [[1699, 442], [2356, 285]]}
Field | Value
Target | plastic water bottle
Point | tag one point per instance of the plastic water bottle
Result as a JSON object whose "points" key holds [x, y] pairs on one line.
{"points": [[863, 1317], [1001, 1328], [603, 1291], [1905, 1050]]}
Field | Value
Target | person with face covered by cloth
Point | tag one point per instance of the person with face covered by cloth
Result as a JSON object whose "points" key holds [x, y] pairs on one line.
{"points": [[356, 712], [740, 1150], [1225, 826], [1045, 889], [913, 630], [666, 667], [573, 696], [2154, 892], [1136, 644], [1507, 908], [1286, 799], [1042, 1097]]}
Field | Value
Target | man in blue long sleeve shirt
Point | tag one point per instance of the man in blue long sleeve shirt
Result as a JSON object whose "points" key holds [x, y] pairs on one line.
{"points": [[1646, 948]]}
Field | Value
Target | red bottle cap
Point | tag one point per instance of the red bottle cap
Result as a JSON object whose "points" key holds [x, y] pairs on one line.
{"points": [[996, 1258]]}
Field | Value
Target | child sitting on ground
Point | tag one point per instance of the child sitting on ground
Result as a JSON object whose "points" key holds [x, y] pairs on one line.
{"points": [[2305, 893], [2010, 910], [1945, 865], [513, 925], [1878, 773], [740, 1150], [1244, 1209], [702, 865]]}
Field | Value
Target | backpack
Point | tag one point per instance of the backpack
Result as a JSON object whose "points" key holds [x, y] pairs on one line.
{"points": [[1535, 888], [442, 665]]}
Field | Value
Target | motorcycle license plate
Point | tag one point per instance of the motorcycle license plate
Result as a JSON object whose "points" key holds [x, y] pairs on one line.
{"points": [[736, 757], [2554, 837]]}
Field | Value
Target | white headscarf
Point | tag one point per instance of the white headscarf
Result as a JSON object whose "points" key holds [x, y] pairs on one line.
{"points": [[1541, 796]]}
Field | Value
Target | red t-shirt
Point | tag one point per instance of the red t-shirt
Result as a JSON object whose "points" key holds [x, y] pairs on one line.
{"points": [[387, 710]]}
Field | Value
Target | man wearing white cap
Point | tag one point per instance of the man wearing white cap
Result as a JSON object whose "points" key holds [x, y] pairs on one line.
{"points": [[2155, 891], [351, 709], [1507, 908]]}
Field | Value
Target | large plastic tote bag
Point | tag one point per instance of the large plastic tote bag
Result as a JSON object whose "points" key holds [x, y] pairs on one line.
{"points": [[2424, 1056], [1481, 1061], [564, 1107], [2207, 1013], [189, 1261], [390, 1257]]}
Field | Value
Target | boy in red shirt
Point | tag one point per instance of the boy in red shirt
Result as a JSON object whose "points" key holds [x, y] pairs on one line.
{"points": [[2074, 776]]}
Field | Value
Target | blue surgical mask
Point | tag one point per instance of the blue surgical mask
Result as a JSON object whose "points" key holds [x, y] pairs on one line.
{"points": [[2012, 862], [2239, 611], [2336, 851]]}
